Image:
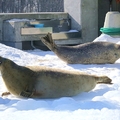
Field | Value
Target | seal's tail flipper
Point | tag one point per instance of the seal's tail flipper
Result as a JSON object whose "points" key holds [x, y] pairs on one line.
{"points": [[48, 41], [104, 80]]}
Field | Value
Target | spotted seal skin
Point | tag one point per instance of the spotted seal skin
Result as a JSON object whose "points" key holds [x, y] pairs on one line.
{"points": [[87, 53], [44, 82]]}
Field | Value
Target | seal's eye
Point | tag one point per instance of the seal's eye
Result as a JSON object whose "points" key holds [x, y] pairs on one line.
{"points": [[0, 62]]}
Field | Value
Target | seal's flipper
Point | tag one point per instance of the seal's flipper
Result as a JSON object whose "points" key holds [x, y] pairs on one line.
{"points": [[5, 93], [49, 42], [103, 80], [26, 94]]}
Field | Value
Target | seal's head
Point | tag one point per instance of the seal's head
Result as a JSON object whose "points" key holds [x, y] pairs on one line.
{"points": [[4, 62], [1, 61]]}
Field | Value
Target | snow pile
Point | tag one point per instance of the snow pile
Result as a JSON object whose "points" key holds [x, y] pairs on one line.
{"points": [[101, 103]]}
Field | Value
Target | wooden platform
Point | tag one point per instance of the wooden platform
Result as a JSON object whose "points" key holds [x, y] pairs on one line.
{"points": [[16, 32]]}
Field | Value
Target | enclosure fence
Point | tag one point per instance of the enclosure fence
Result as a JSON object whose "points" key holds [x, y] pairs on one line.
{"points": [[23, 6]]}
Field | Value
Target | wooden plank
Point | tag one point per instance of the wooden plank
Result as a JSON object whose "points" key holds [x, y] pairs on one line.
{"points": [[55, 36], [73, 41], [60, 42], [32, 37], [66, 35], [35, 31], [72, 36]]}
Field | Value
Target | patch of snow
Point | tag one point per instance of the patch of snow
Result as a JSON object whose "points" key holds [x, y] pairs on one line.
{"points": [[102, 103]]}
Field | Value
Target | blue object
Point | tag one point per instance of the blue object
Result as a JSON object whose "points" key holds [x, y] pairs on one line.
{"points": [[39, 25]]}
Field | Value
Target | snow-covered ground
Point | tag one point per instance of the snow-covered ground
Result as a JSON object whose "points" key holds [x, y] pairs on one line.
{"points": [[102, 103]]}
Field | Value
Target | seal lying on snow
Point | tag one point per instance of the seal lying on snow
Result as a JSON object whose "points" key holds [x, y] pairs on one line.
{"points": [[87, 53], [43, 82]]}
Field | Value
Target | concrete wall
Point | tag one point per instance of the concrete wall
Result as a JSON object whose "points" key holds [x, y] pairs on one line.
{"points": [[84, 16], [89, 15]]}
